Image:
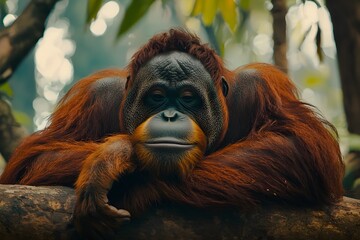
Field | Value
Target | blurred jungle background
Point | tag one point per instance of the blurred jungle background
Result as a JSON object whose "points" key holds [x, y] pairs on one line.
{"points": [[316, 42]]}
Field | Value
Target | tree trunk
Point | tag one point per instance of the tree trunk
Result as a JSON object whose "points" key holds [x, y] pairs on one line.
{"points": [[11, 132], [345, 16], [278, 12], [45, 213]]}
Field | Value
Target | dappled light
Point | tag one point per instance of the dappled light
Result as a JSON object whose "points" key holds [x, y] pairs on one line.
{"points": [[54, 69], [98, 27], [262, 44], [105, 16], [12, 7], [303, 21], [193, 24], [9, 19], [109, 10]]}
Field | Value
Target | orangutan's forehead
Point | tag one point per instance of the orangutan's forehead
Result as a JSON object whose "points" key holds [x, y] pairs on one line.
{"points": [[177, 66]]}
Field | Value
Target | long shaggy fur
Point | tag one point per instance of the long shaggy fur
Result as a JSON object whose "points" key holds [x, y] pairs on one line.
{"points": [[275, 149]]}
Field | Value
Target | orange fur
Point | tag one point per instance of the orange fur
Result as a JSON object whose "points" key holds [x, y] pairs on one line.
{"points": [[55, 154], [273, 149], [289, 154]]}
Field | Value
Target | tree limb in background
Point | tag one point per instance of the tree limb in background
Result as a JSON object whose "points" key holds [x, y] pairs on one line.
{"points": [[17, 40], [45, 213], [278, 13], [346, 23], [11, 132]]}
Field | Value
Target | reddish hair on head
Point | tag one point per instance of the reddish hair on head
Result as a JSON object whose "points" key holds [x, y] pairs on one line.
{"points": [[178, 40]]}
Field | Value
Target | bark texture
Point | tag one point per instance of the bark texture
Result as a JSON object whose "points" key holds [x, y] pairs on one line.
{"points": [[11, 132], [17, 40], [345, 17], [278, 13], [45, 213]]}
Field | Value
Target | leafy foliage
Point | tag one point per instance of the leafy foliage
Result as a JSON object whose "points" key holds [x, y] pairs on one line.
{"points": [[2, 2], [134, 12], [209, 8], [3, 11], [23, 119], [6, 90], [93, 8], [215, 15]]}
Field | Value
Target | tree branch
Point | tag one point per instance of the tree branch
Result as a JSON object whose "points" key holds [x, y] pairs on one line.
{"points": [[278, 13], [17, 40], [11, 132], [346, 23], [45, 213]]}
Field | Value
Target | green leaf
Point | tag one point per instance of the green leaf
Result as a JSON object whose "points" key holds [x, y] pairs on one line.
{"points": [[209, 11], [22, 118], [134, 12], [197, 9], [228, 12], [245, 5], [93, 8], [3, 9], [5, 88], [313, 80]]}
